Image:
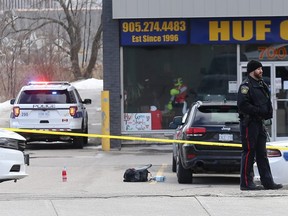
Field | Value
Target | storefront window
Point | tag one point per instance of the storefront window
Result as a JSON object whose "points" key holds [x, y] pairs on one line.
{"points": [[154, 75], [265, 52]]}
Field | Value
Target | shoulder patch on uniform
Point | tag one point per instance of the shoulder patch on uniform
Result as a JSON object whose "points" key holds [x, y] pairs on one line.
{"points": [[244, 89]]}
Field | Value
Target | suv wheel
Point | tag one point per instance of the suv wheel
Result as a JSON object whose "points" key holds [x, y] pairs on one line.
{"points": [[173, 164], [184, 175]]}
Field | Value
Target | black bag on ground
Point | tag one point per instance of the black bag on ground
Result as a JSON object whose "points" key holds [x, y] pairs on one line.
{"points": [[137, 174]]}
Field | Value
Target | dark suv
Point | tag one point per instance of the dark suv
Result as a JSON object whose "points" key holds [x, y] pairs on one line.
{"points": [[206, 122]]}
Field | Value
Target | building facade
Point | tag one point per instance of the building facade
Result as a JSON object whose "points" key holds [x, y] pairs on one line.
{"points": [[161, 56]]}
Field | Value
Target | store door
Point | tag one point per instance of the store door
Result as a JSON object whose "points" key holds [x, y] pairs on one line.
{"points": [[275, 74], [281, 100]]}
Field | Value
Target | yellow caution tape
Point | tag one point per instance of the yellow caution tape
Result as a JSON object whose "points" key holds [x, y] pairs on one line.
{"points": [[40, 131]]}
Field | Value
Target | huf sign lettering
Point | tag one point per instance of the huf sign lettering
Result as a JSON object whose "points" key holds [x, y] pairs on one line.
{"points": [[237, 30]]}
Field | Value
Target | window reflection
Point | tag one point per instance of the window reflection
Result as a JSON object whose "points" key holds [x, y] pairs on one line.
{"points": [[150, 72]]}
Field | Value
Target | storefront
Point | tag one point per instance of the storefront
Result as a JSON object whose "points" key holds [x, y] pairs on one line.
{"points": [[206, 57]]}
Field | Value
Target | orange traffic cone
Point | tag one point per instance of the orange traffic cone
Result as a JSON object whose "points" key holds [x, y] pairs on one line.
{"points": [[64, 175]]}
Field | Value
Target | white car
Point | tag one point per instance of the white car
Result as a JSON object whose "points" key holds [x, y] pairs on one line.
{"points": [[278, 160], [12, 160]]}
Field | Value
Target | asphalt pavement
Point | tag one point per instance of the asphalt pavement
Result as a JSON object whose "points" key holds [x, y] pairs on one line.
{"points": [[95, 187]]}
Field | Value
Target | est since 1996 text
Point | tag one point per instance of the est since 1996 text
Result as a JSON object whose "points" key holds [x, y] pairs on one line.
{"points": [[152, 39]]}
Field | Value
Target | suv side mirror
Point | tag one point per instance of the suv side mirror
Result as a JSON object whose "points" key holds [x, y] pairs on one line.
{"points": [[177, 120], [87, 101], [12, 101]]}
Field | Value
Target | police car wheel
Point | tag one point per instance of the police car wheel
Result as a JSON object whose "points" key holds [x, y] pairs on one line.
{"points": [[78, 142], [85, 139]]}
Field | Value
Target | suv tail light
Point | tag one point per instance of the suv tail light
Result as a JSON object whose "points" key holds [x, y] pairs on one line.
{"points": [[195, 131], [73, 110], [16, 111], [273, 153]]}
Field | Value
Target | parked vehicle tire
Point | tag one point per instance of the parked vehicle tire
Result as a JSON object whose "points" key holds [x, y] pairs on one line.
{"points": [[173, 164], [184, 175], [78, 142], [85, 139]]}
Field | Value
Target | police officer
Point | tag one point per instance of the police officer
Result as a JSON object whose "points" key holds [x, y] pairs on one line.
{"points": [[254, 106]]}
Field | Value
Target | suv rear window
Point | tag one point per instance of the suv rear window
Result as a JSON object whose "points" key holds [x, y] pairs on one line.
{"points": [[216, 115], [46, 97]]}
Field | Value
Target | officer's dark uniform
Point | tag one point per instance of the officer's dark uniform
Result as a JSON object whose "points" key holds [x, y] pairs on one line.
{"points": [[254, 106]]}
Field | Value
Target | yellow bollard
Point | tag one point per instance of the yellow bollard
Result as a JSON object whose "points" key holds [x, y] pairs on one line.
{"points": [[105, 107]]}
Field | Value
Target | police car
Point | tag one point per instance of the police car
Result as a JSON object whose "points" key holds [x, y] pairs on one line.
{"points": [[278, 159], [52, 106]]}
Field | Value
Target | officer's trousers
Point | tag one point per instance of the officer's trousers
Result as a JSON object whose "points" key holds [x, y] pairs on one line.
{"points": [[253, 138]]}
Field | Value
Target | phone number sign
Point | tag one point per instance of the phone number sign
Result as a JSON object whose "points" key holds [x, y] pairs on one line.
{"points": [[153, 32]]}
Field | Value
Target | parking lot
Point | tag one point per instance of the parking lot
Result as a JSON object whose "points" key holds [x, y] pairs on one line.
{"points": [[95, 187]]}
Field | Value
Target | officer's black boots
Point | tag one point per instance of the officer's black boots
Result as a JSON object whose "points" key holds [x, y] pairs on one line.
{"points": [[274, 186], [251, 187]]}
